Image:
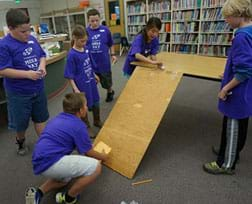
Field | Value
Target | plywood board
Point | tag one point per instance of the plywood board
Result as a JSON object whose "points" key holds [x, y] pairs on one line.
{"points": [[135, 117], [202, 66]]}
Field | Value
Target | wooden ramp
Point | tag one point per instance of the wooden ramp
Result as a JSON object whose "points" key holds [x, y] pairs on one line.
{"points": [[139, 109], [135, 117]]}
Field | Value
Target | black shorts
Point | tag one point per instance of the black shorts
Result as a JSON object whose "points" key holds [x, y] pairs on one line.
{"points": [[105, 79]]}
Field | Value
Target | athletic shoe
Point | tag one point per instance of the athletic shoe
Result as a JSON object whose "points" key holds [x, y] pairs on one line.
{"points": [[21, 149], [213, 168], [110, 96], [60, 198], [32, 196]]}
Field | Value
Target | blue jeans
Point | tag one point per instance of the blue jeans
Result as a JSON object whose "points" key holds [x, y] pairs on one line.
{"points": [[22, 107]]}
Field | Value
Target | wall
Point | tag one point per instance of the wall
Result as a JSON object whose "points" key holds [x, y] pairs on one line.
{"points": [[36, 7], [32, 5], [48, 6]]}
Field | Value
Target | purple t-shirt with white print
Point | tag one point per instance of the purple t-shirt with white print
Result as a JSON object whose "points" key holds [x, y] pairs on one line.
{"points": [[238, 104], [139, 46], [61, 136], [78, 67], [21, 56], [99, 42]]}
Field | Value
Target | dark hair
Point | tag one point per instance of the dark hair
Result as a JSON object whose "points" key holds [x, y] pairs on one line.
{"points": [[78, 32], [93, 12], [73, 102], [16, 17], [153, 22], [103, 23]]}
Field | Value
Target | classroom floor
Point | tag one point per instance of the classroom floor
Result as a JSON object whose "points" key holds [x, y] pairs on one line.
{"points": [[173, 161]]}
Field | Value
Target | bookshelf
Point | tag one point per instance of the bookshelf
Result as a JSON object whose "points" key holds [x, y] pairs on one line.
{"points": [[64, 21], [188, 26]]}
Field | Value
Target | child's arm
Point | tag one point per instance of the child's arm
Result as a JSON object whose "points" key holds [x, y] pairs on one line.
{"points": [[20, 74], [100, 156], [42, 66], [148, 60], [112, 53], [97, 79], [74, 87], [227, 88]]}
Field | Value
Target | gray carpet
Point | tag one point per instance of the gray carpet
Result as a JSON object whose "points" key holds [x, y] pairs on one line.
{"points": [[181, 145]]}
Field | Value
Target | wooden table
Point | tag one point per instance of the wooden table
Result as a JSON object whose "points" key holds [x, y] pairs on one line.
{"points": [[138, 111]]}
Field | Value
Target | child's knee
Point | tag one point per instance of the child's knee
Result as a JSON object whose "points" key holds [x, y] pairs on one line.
{"points": [[98, 169]]}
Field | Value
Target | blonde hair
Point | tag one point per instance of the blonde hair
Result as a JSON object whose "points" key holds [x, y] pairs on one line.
{"points": [[237, 8], [73, 102]]}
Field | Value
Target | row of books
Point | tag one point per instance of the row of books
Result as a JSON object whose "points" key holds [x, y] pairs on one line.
{"points": [[212, 14], [135, 29], [213, 3], [185, 38], [189, 49], [164, 47], [185, 4], [186, 15], [136, 7], [216, 38], [185, 27], [164, 37], [162, 16], [160, 6], [137, 19], [215, 27], [213, 50]]}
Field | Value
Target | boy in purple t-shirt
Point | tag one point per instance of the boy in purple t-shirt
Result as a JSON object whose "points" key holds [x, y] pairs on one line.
{"points": [[79, 71], [23, 65], [235, 96], [99, 43], [52, 154], [145, 44]]}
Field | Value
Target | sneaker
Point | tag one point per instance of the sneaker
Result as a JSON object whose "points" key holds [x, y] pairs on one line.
{"points": [[32, 196], [60, 198], [98, 124], [21, 149], [110, 96], [213, 168]]}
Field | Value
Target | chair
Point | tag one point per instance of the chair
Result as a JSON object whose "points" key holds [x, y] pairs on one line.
{"points": [[124, 45]]}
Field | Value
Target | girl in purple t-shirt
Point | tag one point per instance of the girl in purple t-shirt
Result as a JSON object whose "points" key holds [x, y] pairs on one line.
{"points": [[145, 44], [79, 71]]}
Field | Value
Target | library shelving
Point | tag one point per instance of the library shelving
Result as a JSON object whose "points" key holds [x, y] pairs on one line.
{"points": [[188, 26], [215, 34], [64, 21]]}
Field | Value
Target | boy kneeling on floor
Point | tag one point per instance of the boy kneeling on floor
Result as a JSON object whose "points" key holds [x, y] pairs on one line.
{"points": [[52, 154]]}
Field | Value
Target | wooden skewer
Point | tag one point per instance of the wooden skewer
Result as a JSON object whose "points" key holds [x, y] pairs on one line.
{"points": [[141, 182]]}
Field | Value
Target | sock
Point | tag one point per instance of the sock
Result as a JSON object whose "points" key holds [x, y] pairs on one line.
{"points": [[68, 198]]}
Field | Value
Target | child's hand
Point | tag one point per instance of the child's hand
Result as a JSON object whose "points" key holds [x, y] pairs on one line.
{"points": [[159, 64], [113, 59], [42, 71], [105, 155], [34, 75], [223, 94], [97, 79]]}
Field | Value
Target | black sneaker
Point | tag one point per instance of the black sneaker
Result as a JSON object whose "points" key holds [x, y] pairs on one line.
{"points": [[21, 149], [110, 96]]}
